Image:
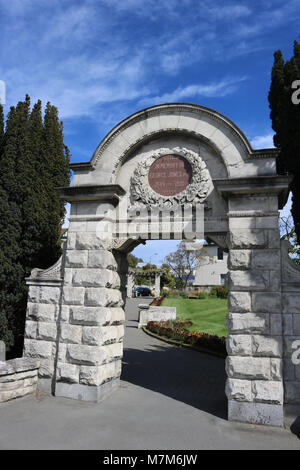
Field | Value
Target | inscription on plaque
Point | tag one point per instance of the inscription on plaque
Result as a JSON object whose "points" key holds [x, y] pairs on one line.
{"points": [[169, 175]]}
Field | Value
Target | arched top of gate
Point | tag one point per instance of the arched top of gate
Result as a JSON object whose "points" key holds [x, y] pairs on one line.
{"points": [[196, 121]]}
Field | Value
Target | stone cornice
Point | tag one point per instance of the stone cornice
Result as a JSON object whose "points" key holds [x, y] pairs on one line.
{"points": [[254, 186], [109, 193]]}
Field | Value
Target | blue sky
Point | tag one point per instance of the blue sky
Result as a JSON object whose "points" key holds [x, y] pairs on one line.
{"points": [[99, 61]]}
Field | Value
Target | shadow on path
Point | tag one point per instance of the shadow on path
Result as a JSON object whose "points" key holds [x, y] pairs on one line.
{"points": [[191, 377]]}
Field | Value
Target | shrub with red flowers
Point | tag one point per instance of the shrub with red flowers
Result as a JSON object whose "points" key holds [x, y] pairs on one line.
{"points": [[176, 330]]}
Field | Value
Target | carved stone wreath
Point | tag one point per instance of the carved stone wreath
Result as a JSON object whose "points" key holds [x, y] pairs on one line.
{"points": [[195, 192]]}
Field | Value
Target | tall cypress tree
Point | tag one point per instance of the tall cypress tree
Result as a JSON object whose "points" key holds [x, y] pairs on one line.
{"points": [[33, 162], [11, 270], [285, 117], [55, 167]]}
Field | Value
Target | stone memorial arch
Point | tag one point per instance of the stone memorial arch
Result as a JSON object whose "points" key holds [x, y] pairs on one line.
{"points": [[166, 156]]}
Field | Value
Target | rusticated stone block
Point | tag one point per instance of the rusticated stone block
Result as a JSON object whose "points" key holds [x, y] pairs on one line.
{"points": [[34, 293], [91, 316], [46, 369], [117, 316], [41, 312], [239, 259], [247, 323], [296, 325], [50, 295], [26, 366], [98, 336], [267, 391], [239, 345], [65, 313], [276, 369], [86, 355], [102, 259], [266, 346], [71, 241], [37, 348], [46, 331], [91, 277], [289, 369], [248, 279], [99, 374], [291, 344], [254, 368], [266, 302], [273, 238], [275, 324], [68, 276], [67, 372], [30, 329], [239, 390], [76, 259], [70, 333], [113, 351], [91, 241], [93, 335], [291, 303], [73, 295], [239, 302], [103, 297], [12, 394], [292, 392], [248, 238], [262, 259]]}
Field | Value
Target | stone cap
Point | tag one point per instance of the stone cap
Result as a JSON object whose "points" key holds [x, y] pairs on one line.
{"points": [[276, 184], [143, 306], [21, 364], [106, 192]]}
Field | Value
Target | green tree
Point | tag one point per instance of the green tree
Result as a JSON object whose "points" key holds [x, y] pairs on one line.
{"points": [[285, 116], [182, 264], [56, 173], [33, 162], [11, 270]]}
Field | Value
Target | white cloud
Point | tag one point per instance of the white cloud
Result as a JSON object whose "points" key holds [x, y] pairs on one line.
{"points": [[216, 89], [262, 141]]}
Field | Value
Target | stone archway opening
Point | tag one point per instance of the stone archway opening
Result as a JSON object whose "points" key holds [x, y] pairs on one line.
{"points": [[75, 310]]}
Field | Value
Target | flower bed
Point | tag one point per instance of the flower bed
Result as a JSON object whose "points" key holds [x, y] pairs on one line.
{"points": [[176, 331], [157, 301]]}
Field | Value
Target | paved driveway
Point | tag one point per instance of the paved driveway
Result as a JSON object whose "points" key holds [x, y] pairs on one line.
{"points": [[169, 398]]}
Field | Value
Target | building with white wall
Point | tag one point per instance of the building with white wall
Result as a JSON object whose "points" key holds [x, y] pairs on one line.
{"points": [[211, 267]]}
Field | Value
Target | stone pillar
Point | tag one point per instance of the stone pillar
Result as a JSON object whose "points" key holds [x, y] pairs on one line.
{"points": [[130, 285], [91, 325], [157, 284], [254, 364], [42, 318]]}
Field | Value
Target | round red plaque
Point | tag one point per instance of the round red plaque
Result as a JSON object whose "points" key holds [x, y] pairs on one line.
{"points": [[169, 175]]}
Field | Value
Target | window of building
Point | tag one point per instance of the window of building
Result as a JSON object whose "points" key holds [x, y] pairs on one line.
{"points": [[220, 254]]}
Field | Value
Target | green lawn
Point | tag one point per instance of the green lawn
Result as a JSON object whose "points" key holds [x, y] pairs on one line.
{"points": [[208, 315]]}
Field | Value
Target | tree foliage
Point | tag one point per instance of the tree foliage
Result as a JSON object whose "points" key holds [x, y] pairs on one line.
{"points": [[33, 162], [182, 264], [285, 116], [287, 231]]}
